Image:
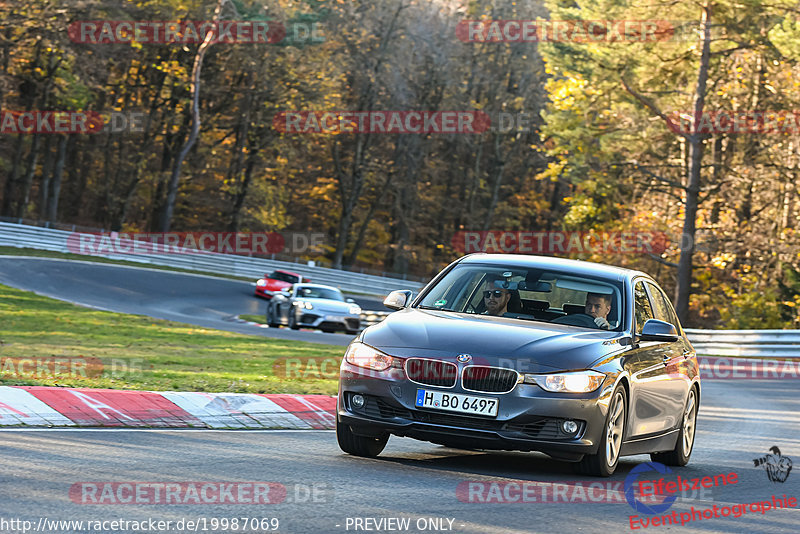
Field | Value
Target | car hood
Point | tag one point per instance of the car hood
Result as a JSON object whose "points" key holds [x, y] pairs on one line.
{"points": [[527, 346], [327, 305], [276, 285]]}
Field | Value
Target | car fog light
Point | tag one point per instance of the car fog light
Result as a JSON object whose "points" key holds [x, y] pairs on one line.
{"points": [[569, 427], [358, 401]]}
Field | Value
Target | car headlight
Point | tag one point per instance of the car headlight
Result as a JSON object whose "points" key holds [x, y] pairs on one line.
{"points": [[580, 382], [355, 310], [261, 283], [304, 304], [362, 355]]}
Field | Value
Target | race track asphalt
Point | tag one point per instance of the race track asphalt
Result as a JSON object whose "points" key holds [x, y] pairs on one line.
{"points": [[326, 490], [188, 298], [738, 422]]}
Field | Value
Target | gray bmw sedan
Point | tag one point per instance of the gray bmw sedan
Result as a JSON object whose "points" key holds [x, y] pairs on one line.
{"points": [[582, 361]]}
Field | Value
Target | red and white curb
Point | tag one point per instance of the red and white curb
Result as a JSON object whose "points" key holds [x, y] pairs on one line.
{"points": [[38, 406]]}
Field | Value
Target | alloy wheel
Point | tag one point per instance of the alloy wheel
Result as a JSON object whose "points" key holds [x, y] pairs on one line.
{"points": [[689, 419], [616, 423]]}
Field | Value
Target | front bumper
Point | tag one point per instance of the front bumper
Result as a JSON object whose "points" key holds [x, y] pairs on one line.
{"points": [[529, 418], [327, 321], [262, 292]]}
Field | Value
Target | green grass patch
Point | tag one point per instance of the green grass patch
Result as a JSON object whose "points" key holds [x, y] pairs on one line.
{"points": [[260, 319], [59, 342]]}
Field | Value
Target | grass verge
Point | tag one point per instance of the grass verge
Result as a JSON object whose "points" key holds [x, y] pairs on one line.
{"points": [[61, 344]]}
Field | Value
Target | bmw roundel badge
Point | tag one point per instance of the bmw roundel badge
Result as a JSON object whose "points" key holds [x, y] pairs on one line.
{"points": [[463, 358]]}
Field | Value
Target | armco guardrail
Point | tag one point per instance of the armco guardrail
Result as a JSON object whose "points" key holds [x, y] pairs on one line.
{"points": [[22, 236], [746, 343]]}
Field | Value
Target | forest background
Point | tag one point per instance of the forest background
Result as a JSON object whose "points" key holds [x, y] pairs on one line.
{"points": [[593, 147]]}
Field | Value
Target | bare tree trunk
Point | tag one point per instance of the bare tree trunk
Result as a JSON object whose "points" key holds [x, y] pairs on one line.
{"points": [[351, 183], [175, 177], [789, 193], [78, 172], [27, 182], [684, 286], [239, 176], [348, 195], [693, 174], [379, 196], [10, 188], [500, 162], [55, 185], [47, 172]]}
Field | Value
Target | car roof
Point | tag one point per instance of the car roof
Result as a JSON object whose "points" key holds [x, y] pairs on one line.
{"points": [[576, 267]]}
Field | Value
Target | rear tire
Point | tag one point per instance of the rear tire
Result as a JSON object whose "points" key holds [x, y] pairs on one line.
{"points": [[358, 445], [605, 461], [683, 448]]}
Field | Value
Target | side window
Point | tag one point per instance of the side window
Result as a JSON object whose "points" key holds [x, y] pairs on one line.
{"points": [[641, 306], [662, 306]]}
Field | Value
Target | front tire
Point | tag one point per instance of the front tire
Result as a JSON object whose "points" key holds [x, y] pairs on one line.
{"points": [[605, 461], [293, 321], [683, 448], [270, 318], [358, 445]]}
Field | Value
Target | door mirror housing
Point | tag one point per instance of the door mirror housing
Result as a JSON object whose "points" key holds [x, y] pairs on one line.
{"points": [[656, 330], [397, 300]]}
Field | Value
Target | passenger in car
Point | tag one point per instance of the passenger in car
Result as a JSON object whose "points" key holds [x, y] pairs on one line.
{"points": [[598, 305]]}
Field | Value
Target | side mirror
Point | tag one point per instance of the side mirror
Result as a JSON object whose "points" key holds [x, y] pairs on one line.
{"points": [[397, 300], [286, 291], [655, 330], [351, 301]]}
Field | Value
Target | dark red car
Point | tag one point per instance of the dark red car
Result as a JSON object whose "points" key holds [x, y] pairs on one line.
{"points": [[275, 281]]}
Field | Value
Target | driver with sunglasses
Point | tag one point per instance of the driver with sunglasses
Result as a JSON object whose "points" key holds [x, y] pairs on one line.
{"points": [[495, 298]]}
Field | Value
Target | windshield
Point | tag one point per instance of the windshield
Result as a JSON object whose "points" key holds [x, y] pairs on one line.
{"points": [[319, 293], [283, 277], [528, 294]]}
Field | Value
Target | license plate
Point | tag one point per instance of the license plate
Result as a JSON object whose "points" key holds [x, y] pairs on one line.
{"points": [[455, 402]]}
